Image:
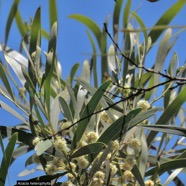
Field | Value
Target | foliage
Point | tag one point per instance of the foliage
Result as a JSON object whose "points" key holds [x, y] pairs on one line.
{"points": [[104, 134]]}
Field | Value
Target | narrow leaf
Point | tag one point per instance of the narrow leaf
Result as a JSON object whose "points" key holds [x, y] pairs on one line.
{"points": [[5, 81], [170, 165], [13, 112], [90, 24], [52, 12], [166, 129], [173, 108], [88, 150], [165, 19], [16, 68], [66, 110], [7, 157], [20, 24], [88, 111], [10, 19]]}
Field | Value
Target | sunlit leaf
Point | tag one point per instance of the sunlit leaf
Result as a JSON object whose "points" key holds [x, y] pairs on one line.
{"points": [[16, 68], [42, 146], [88, 111]]}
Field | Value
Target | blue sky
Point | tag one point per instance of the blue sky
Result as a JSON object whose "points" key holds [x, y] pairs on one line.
{"points": [[73, 44]]}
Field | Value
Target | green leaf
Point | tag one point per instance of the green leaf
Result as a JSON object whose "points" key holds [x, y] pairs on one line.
{"points": [[55, 112], [161, 55], [73, 72], [28, 84], [90, 24], [165, 19], [35, 40], [5, 81], [126, 14], [171, 71], [66, 110], [87, 113], [97, 163], [93, 60], [7, 157], [170, 165], [125, 123], [20, 24], [115, 129], [170, 111], [116, 16], [90, 149], [35, 30], [10, 19], [144, 29], [52, 12], [42, 146], [105, 101], [166, 129], [136, 172]]}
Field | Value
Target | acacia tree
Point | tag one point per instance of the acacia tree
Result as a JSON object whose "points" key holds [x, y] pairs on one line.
{"points": [[90, 134]]}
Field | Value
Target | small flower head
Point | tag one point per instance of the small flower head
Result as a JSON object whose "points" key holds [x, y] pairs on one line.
{"points": [[59, 163], [126, 166], [135, 143], [98, 178], [82, 143], [128, 176], [70, 177], [143, 104], [149, 183], [131, 161], [92, 137], [50, 169], [105, 118], [82, 162], [69, 183], [113, 169], [36, 141], [60, 144], [115, 145], [72, 166]]}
